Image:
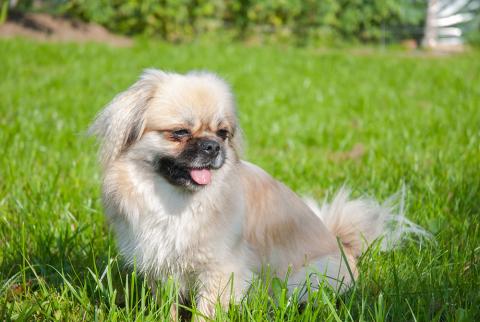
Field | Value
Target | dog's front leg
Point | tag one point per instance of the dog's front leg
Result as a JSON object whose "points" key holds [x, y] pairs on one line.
{"points": [[216, 288]]}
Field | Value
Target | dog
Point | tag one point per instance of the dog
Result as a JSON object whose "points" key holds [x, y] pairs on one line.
{"points": [[183, 203]]}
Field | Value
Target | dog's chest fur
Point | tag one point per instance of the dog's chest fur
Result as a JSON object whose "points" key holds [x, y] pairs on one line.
{"points": [[165, 232]]}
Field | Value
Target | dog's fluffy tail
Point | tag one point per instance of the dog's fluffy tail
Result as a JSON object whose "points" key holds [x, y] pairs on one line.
{"points": [[359, 222]]}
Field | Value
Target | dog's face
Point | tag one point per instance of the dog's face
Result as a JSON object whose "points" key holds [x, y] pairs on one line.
{"points": [[182, 126]]}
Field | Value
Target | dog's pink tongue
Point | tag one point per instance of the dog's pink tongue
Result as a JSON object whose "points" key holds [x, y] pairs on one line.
{"points": [[201, 176]]}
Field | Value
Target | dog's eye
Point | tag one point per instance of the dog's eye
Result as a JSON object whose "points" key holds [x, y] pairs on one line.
{"points": [[180, 133], [222, 134]]}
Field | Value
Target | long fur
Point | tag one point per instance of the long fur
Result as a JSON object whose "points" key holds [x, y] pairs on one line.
{"points": [[360, 222], [122, 121], [241, 221]]}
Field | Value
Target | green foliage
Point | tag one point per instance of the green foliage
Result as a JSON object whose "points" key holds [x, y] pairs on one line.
{"points": [[366, 21], [3, 11], [473, 33], [298, 20]]}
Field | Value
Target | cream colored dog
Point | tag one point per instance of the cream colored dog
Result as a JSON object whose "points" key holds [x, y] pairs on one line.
{"points": [[184, 204]]}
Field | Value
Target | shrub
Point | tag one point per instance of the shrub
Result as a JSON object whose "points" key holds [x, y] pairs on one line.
{"points": [[301, 20]]}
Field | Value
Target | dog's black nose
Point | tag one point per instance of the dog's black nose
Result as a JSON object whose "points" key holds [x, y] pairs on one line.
{"points": [[210, 147]]}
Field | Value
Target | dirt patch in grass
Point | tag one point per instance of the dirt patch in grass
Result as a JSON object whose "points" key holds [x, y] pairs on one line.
{"points": [[356, 153], [44, 27]]}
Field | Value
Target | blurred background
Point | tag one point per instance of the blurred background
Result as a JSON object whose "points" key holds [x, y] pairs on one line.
{"points": [[437, 24]]}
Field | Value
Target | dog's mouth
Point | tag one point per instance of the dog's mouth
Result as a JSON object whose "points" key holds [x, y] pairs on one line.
{"points": [[194, 166], [181, 174], [201, 176]]}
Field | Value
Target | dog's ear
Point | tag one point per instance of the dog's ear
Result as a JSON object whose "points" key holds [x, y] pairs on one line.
{"points": [[122, 122], [237, 141]]}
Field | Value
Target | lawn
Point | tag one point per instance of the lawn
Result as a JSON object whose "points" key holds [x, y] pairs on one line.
{"points": [[374, 120]]}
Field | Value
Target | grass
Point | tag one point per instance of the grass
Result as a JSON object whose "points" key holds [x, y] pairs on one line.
{"points": [[316, 120]]}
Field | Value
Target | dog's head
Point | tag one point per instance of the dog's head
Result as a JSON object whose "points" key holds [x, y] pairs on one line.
{"points": [[183, 126]]}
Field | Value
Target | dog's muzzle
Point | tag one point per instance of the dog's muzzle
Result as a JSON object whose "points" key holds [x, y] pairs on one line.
{"points": [[193, 167]]}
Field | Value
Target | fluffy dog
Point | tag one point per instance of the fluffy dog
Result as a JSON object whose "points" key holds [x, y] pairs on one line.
{"points": [[184, 204]]}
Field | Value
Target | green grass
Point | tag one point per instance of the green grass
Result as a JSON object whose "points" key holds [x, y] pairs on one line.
{"points": [[414, 118]]}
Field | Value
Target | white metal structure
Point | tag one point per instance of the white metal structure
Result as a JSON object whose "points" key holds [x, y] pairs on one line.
{"points": [[445, 19]]}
